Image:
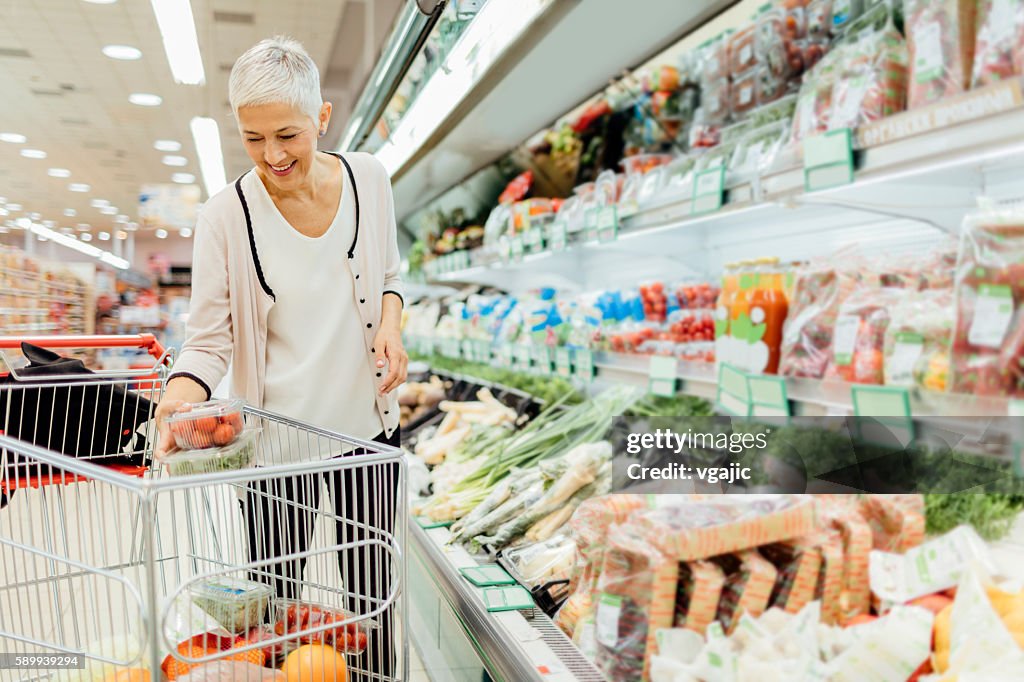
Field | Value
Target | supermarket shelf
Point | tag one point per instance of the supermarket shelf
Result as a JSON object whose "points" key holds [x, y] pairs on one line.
{"points": [[567, 55], [511, 646], [907, 194]]}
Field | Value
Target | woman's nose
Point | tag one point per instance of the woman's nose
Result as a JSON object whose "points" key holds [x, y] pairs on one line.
{"points": [[274, 153]]}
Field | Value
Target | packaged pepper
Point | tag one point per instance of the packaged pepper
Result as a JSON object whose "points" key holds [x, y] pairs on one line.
{"points": [[940, 38]]}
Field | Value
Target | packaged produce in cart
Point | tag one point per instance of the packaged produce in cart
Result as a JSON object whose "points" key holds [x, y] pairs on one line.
{"points": [[999, 46], [742, 55], [706, 528], [240, 454], [236, 604], [749, 581], [819, 19], [700, 587], [635, 598], [858, 340], [917, 340], [988, 341], [203, 425], [305, 619], [940, 37]]}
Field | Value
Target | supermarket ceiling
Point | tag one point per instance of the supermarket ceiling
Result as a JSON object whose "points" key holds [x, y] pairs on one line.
{"points": [[71, 101]]}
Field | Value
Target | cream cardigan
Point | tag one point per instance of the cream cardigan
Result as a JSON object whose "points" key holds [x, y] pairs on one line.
{"points": [[231, 299]]}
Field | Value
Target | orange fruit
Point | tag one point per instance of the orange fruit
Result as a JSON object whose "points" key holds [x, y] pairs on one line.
{"points": [[315, 663], [128, 675]]}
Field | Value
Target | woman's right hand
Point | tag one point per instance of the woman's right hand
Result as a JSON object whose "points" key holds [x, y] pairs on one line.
{"points": [[179, 395]]}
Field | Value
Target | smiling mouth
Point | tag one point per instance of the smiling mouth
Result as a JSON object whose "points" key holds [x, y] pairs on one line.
{"points": [[282, 170]]}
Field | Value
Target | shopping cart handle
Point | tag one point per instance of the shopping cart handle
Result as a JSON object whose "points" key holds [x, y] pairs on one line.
{"points": [[146, 342]]}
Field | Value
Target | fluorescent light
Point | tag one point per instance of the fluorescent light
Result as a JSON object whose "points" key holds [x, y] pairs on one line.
{"points": [[50, 224], [161, 234], [34, 216], [123, 52], [104, 236], [70, 212], [494, 29], [72, 243], [167, 146], [4, 212], [178, 30], [33, 153], [185, 232], [85, 237], [59, 173], [183, 178], [79, 187], [145, 99], [121, 234], [99, 203], [13, 138], [206, 136], [84, 227], [109, 210], [14, 207], [173, 160], [101, 2], [3, 200]]}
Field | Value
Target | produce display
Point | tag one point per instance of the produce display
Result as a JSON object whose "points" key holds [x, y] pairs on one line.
{"points": [[999, 46], [416, 399], [203, 425]]}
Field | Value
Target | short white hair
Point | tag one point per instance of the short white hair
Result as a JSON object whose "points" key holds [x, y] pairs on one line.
{"points": [[276, 70]]}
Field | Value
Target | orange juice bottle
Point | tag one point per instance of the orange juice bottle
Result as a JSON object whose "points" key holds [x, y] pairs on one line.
{"points": [[767, 308], [723, 310], [739, 314]]}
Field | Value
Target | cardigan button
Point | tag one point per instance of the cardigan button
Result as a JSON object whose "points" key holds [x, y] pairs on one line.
{"points": [[369, 325], [357, 276], [378, 373], [362, 300], [373, 350], [385, 411]]}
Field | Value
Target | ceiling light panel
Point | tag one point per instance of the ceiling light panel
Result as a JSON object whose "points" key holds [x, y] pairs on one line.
{"points": [[167, 146], [33, 153], [13, 138], [145, 99], [59, 173], [178, 30], [174, 160], [125, 53]]}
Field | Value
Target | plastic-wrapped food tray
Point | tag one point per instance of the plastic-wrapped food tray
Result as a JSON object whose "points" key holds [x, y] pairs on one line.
{"points": [[237, 604], [204, 425], [238, 455]]}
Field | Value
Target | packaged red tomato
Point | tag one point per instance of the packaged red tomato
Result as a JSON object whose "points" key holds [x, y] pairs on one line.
{"points": [[873, 80], [742, 55], [310, 624], [988, 341], [743, 94], [999, 46], [814, 101], [940, 38], [204, 425], [858, 339], [714, 59], [654, 297]]}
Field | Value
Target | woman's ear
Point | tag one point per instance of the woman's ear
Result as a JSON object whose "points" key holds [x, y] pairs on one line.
{"points": [[325, 117]]}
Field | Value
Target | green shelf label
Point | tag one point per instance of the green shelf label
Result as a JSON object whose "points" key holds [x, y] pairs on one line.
{"points": [[608, 224], [583, 364], [708, 191], [542, 360], [558, 239], [521, 356], [884, 415], [563, 362], [733, 391], [828, 160], [510, 598], [487, 576], [768, 397], [590, 224], [516, 249], [661, 376]]}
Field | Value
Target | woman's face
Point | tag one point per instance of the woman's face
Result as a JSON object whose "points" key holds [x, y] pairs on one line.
{"points": [[281, 141]]}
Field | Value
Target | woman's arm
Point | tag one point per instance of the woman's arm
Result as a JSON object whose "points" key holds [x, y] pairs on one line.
{"points": [[388, 342], [204, 358]]}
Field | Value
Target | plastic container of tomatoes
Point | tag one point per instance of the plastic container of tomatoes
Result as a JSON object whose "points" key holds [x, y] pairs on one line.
{"points": [[239, 454], [293, 617], [204, 425], [696, 296], [235, 603], [999, 47], [655, 299]]}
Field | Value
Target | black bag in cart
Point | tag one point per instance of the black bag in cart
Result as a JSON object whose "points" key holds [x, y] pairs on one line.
{"points": [[71, 411]]}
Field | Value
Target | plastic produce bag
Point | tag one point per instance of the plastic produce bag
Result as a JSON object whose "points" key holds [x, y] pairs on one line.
{"points": [[798, 565], [917, 340], [699, 589], [748, 586], [890, 648], [813, 306], [873, 77], [859, 336], [233, 671], [988, 342], [635, 598], [940, 36], [897, 521], [999, 47], [545, 561]]}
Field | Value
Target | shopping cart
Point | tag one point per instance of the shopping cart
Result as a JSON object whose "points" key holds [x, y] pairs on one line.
{"points": [[178, 572]]}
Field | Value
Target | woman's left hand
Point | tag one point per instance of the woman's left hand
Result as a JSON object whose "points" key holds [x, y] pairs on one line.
{"points": [[387, 346]]}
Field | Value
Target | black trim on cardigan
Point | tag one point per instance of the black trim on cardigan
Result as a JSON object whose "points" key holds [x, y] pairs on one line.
{"points": [[194, 378], [252, 238], [395, 293], [355, 194]]}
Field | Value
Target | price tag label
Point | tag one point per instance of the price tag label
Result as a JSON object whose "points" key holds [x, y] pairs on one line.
{"points": [[533, 240], [484, 351], [993, 312], [733, 391], [768, 396], [521, 358], [542, 360], [583, 364], [590, 224], [661, 376], [469, 350], [828, 160], [563, 362], [516, 249], [883, 415], [559, 236], [608, 224], [504, 355], [708, 191]]}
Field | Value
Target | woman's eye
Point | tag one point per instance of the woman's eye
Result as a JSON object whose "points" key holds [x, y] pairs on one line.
{"points": [[287, 137], [253, 139]]}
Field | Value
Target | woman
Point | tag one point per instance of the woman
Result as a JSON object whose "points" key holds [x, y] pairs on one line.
{"points": [[296, 282]]}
